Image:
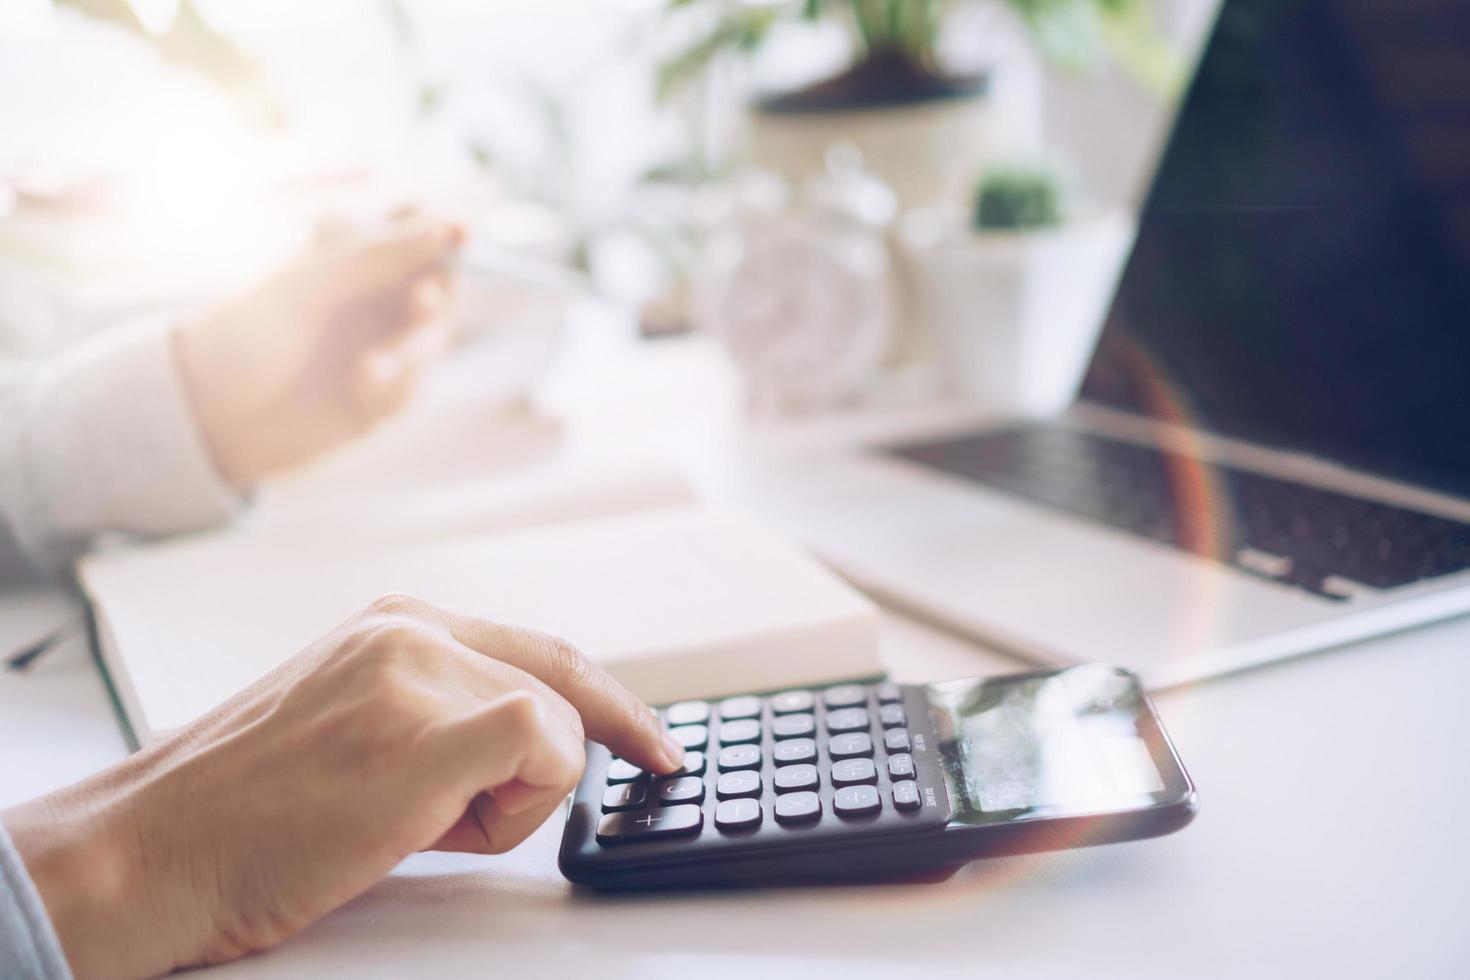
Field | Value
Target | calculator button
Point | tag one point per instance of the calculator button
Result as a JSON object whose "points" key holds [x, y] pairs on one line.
{"points": [[792, 702], [745, 706], [626, 796], [847, 720], [845, 696], [900, 767], [738, 815], [740, 757], [634, 825], [794, 726], [794, 750], [892, 716], [888, 694], [690, 736], [685, 789], [851, 771], [693, 764], [791, 779], [854, 801], [906, 795], [853, 745], [687, 713], [622, 771], [798, 808], [740, 732], [733, 785], [897, 740]]}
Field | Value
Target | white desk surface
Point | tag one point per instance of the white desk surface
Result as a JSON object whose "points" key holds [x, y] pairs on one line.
{"points": [[1333, 838]]}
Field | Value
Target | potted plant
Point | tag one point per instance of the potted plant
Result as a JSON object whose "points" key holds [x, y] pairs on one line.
{"points": [[921, 125], [1012, 295]]}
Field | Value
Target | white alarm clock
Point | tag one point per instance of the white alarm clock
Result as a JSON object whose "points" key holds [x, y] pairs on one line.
{"points": [[801, 296]]}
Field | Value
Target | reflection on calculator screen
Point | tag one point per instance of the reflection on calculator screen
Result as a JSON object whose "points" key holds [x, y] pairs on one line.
{"points": [[1065, 743]]}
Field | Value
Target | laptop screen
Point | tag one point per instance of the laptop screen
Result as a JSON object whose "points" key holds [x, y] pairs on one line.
{"points": [[1302, 271]]}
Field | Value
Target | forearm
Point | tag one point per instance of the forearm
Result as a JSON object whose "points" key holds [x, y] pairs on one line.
{"points": [[103, 440]]}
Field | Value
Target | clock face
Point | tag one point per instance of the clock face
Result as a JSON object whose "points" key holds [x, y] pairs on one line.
{"points": [[804, 307]]}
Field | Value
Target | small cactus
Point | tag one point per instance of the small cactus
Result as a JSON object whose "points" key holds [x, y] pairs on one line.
{"points": [[1018, 199]]}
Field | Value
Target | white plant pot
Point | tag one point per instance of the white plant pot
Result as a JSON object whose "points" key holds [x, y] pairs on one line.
{"points": [[928, 153], [1012, 318]]}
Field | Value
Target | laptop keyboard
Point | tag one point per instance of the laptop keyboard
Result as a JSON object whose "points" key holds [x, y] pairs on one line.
{"points": [[1327, 543]]}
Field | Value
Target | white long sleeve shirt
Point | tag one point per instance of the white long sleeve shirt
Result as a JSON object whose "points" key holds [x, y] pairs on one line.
{"points": [[102, 440]]}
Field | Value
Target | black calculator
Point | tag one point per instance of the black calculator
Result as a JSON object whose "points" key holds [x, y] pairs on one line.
{"points": [[880, 781]]}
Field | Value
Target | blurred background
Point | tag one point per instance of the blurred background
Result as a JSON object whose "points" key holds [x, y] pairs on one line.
{"points": [[849, 194]]}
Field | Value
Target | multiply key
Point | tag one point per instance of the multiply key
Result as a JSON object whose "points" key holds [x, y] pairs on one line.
{"points": [[798, 808]]}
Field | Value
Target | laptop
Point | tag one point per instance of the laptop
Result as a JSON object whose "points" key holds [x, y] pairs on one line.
{"points": [[1270, 454]]}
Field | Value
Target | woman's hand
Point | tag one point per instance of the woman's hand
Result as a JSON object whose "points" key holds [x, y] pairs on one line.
{"points": [[321, 351], [407, 729]]}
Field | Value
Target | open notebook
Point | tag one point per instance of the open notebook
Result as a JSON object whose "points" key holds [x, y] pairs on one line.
{"points": [[674, 600]]}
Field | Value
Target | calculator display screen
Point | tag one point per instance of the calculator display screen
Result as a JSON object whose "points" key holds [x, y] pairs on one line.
{"points": [[1073, 742]]}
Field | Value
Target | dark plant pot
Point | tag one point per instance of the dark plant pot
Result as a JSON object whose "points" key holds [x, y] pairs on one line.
{"points": [[884, 79]]}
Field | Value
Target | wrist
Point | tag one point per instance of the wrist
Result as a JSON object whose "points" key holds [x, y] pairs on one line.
{"points": [[85, 854]]}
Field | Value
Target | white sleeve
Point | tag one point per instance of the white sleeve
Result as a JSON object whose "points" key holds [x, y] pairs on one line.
{"points": [[101, 440]]}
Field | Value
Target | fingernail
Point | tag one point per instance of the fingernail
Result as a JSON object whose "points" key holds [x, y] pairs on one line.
{"points": [[674, 751]]}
